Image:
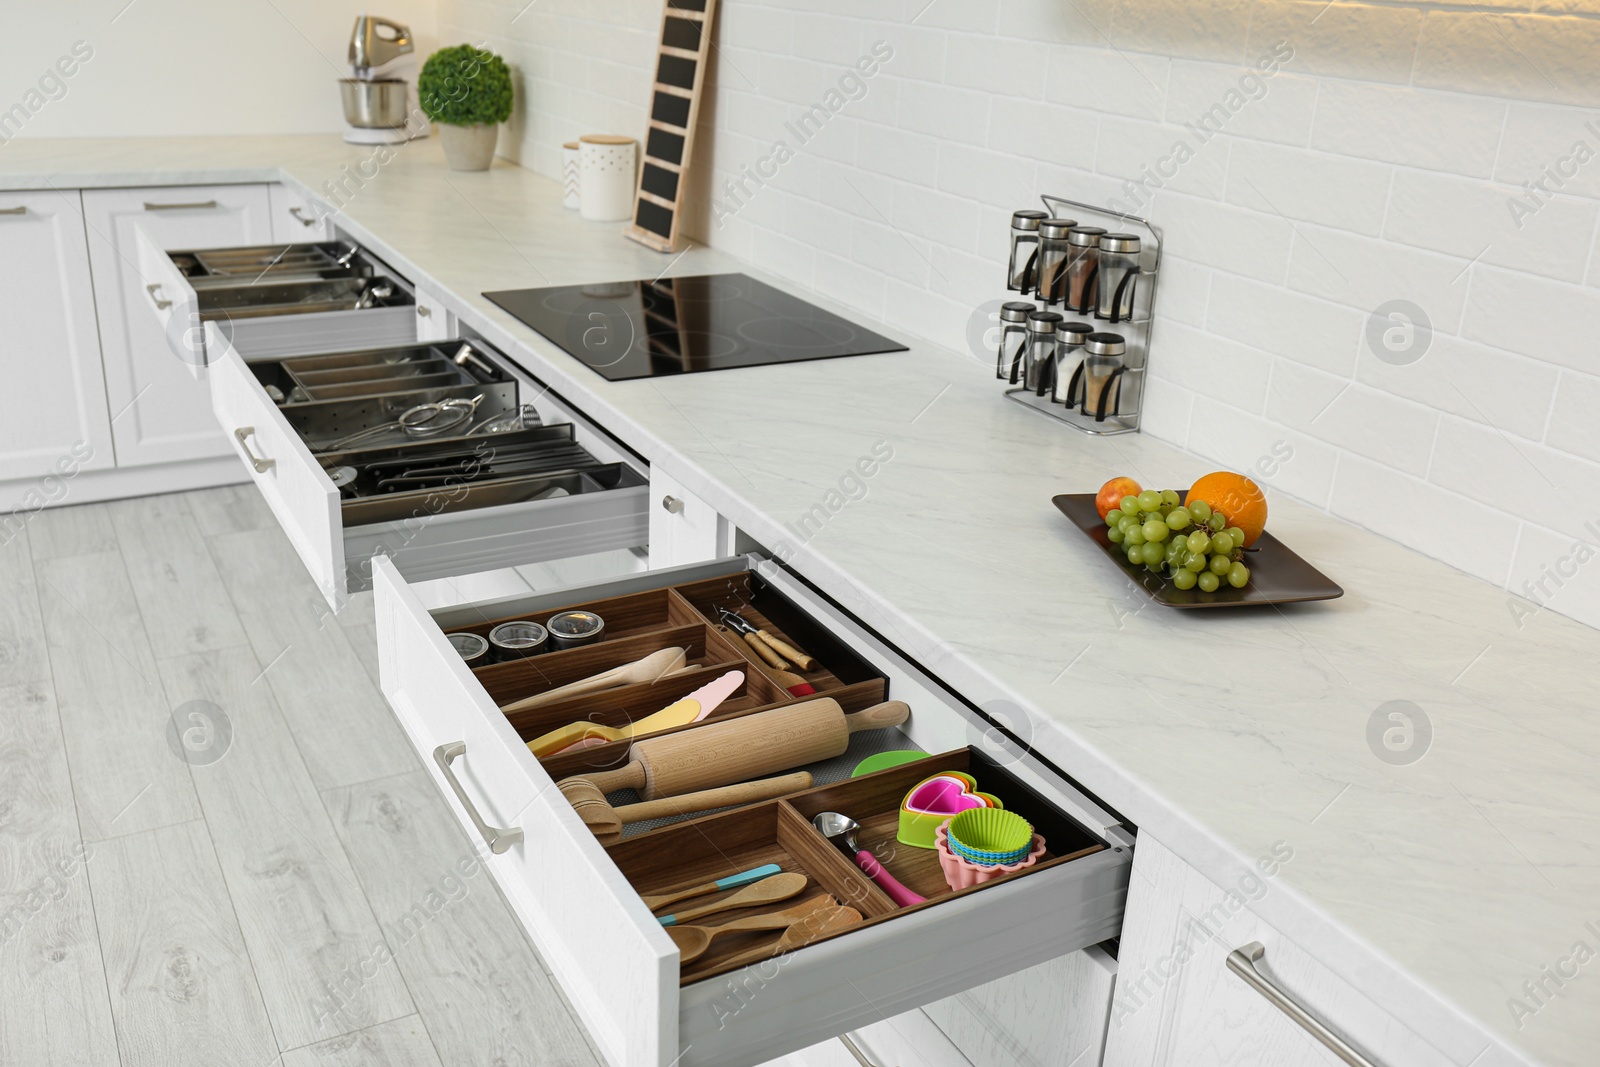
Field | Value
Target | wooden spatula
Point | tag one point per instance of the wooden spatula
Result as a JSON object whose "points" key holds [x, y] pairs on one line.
{"points": [[692, 708], [817, 925], [649, 669], [767, 891], [693, 941]]}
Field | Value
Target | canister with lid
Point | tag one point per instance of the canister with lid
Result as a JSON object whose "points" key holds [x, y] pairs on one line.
{"points": [[517, 640], [1103, 367], [473, 649], [573, 628], [1070, 337], [1083, 265], [1039, 363], [1053, 251], [1013, 344], [1119, 274], [1021, 272]]}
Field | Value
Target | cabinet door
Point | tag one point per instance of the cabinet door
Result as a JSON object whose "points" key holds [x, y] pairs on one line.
{"points": [[162, 414], [295, 218], [683, 528], [55, 415], [1178, 1005], [1052, 1013]]}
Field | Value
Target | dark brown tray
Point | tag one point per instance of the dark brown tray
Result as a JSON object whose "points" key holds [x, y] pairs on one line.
{"points": [[1277, 574]]}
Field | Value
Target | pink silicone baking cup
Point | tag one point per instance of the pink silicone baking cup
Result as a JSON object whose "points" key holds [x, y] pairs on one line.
{"points": [[959, 873]]}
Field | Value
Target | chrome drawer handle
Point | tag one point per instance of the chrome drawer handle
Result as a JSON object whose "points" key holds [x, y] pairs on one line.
{"points": [[301, 219], [855, 1050], [261, 465], [153, 289], [672, 504], [198, 205], [423, 311], [498, 839], [1242, 962], [20, 209]]}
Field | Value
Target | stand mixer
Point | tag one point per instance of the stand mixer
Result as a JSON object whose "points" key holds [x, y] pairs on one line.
{"points": [[380, 100]]}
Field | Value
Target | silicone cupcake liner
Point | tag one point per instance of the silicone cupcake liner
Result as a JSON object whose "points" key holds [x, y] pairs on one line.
{"points": [[990, 834], [961, 874]]}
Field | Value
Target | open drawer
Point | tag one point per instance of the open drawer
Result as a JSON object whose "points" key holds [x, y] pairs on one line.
{"points": [[584, 493], [581, 901], [275, 300]]}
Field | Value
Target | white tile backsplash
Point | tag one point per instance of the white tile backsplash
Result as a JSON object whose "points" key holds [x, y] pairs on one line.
{"points": [[1391, 157]]}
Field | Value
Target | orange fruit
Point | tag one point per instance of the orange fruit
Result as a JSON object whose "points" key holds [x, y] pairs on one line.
{"points": [[1239, 499], [1111, 494]]}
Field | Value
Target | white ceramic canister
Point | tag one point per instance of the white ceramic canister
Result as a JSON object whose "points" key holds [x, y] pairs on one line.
{"points": [[569, 175], [606, 167]]}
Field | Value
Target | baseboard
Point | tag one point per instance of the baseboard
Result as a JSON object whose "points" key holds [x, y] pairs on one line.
{"points": [[22, 496]]}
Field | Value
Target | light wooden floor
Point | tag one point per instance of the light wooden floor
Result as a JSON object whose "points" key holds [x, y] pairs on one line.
{"points": [[216, 846]]}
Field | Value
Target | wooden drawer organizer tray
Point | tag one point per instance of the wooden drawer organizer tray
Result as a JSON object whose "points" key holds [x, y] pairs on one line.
{"points": [[780, 831], [672, 616]]}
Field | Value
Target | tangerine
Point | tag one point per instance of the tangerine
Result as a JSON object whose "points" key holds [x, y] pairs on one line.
{"points": [[1237, 497]]}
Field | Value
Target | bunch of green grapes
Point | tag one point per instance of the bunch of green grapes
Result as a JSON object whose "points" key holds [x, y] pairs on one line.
{"points": [[1191, 545]]}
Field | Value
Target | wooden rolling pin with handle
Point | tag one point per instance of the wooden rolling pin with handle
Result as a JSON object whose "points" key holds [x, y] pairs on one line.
{"points": [[734, 750], [607, 822]]}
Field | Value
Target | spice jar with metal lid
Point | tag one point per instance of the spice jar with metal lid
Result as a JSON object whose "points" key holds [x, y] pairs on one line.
{"points": [[573, 628], [1039, 364], [1083, 265], [473, 649], [1020, 273], [1051, 277], [1119, 274], [1070, 337], [1103, 367], [517, 640], [1013, 343]]}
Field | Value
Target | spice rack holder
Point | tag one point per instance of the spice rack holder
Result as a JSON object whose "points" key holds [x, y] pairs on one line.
{"points": [[1136, 331]]}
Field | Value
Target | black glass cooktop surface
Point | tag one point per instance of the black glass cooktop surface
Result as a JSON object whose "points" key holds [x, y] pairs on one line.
{"points": [[704, 322]]}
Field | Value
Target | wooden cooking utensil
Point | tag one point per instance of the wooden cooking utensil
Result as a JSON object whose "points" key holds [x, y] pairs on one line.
{"points": [[649, 669], [796, 685], [734, 750], [767, 891], [657, 901], [607, 822], [692, 708], [784, 648], [692, 941], [755, 637], [817, 925]]}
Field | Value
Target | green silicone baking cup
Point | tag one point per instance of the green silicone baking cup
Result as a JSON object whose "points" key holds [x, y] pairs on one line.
{"points": [[991, 830]]}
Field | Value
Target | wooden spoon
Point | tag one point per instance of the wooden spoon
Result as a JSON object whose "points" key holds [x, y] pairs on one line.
{"points": [[817, 925], [649, 669], [692, 941], [767, 891]]}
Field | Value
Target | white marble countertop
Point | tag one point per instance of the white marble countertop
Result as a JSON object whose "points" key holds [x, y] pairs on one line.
{"points": [[1438, 888]]}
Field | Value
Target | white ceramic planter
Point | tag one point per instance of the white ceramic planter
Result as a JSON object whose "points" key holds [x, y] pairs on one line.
{"points": [[469, 147]]}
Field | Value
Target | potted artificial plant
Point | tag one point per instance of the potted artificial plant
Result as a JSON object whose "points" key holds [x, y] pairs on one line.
{"points": [[467, 91]]}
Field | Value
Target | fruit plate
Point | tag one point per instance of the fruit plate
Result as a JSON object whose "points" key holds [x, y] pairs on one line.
{"points": [[1277, 574]]}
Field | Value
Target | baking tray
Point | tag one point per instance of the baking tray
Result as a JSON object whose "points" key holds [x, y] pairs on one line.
{"points": [[1277, 574]]}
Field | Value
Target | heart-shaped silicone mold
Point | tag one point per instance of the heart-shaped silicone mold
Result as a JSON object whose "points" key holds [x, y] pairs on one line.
{"points": [[945, 794]]}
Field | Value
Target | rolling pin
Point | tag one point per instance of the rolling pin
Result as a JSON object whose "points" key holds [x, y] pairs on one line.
{"points": [[735, 750], [607, 822]]}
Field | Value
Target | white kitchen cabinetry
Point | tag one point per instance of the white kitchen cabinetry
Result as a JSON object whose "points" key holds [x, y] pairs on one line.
{"points": [[1178, 1005], [56, 418], [295, 217], [435, 322], [162, 413], [1051, 1014], [908, 1040], [683, 528]]}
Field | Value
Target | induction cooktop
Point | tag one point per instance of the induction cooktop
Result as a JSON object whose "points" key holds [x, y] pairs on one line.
{"points": [[647, 329]]}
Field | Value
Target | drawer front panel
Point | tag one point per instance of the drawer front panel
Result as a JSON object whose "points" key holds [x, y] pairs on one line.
{"points": [[293, 484], [749, 1016], [615, 962]]}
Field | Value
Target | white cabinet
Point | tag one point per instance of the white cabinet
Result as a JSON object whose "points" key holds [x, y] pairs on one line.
{"points": [[435, 322], [1053, 1013], [297, 218], [163, 414], [1178, 1005], [56, 417], [683, 528]]}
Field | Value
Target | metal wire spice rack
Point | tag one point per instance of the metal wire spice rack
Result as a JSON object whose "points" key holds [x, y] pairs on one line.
{"points": [[1125, 398]]}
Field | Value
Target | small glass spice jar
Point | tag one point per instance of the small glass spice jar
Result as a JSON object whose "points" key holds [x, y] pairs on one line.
{"points": [[1051, 277], [1070, 337], [1103, 365], [473, 649], [1119, 274], [573, 628], [1021, 272], [1039, 363], [1083, 266], [1013, 342], [517, 640]]}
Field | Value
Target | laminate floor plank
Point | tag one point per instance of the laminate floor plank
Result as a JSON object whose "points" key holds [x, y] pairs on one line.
{"points": [[401, 1043], [229, 509], [114, 713], [182, 988], [303, 914], [54, 1008], [79, 530], [24, 655], [180, 594], [479, 986], [344, 727]]}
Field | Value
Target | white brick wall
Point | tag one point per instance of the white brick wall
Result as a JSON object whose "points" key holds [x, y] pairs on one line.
{"points": [[1377, 166]]}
